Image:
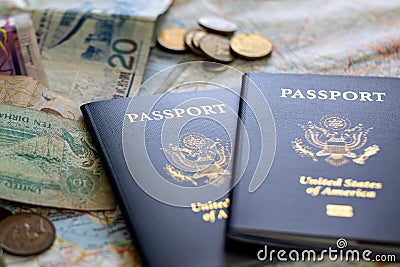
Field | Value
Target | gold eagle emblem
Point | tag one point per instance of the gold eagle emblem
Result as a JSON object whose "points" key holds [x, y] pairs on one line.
{"points": [[336, 141], [198, 160]]}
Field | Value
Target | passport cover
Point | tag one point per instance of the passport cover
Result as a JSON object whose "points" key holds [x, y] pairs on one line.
{"points": [[335, 173], [164, 234]]}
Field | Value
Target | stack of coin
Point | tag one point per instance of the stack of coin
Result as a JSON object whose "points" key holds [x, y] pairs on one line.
{"points": [[24, 234], [216, 41]]}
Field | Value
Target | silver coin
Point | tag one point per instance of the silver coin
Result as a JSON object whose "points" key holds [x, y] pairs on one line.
{"points": [[218, 25], [216, 47], [197, 38], [190, 43]]}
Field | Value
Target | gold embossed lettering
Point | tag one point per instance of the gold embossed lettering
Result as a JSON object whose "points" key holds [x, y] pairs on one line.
{"points": [[145, 117], [379, 95], [339, 210], [157, 115], [195, 208], [298, 94], [168, 114], [220, 108], [178, 112], [285, 92], [222, 215], [365, 96], [209, 217], [334, 95], [208, 110], [132, 117]]}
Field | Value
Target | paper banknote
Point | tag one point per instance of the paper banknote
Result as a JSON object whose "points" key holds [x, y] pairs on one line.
{"points": [[19, 52], [95, 50], [8, 6], [28, 92], [50, 161]]}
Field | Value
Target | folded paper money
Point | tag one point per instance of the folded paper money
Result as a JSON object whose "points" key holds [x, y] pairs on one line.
{"points": [[95, 50], [28, 92], [19, 51], [48, 160]]}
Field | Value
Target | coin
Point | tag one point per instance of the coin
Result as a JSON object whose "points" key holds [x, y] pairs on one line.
{"points": [[197, 38], [251, 46], [216, 47], [172, 39], [217, 25], [4, 213], [189, 41], [26, 234]]}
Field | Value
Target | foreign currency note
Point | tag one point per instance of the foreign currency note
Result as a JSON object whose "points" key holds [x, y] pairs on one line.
{"points": [[28, 92], [9, 6], [95, 50], [50, 161], [19, 51]]}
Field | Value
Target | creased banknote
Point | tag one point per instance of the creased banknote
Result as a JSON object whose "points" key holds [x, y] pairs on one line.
{"points": [[50, 161], [19, 51], [9, 6], [28, 92], [95, 50]]}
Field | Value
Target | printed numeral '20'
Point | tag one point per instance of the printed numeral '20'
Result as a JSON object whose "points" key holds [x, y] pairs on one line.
{"points": [[123, 47]]}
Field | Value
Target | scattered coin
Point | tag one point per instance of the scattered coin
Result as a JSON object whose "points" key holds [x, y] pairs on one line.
{"points": [[190, 44], [219, 46], [197, 38], [217, 25], [26, 234], [216, 47], [4, 213], [251, 46], [172, 39]]}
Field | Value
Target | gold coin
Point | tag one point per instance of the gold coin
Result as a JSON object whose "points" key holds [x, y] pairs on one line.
{"points": [[173, 39], [251, 46]]}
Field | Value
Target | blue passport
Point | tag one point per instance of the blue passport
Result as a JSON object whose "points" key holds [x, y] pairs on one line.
{"points": [[169, 160], [323, 162]]}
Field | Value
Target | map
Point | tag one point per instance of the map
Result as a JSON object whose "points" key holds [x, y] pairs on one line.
{"points": [[343, 37], [321, 37], [83, 239]]}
